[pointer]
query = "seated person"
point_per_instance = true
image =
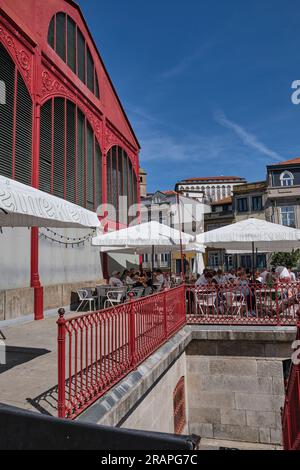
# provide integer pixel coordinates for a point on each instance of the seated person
(115, 280)
(159, 277)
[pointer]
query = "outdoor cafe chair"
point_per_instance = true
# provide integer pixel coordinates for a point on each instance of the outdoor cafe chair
(84, 298)
(234, 302)
(114, 297)
(205, 301)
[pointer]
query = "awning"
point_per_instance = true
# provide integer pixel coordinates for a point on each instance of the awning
(24, 206)
(143, 236)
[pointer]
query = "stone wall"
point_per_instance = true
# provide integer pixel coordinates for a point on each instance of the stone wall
(235, 398)
(156, 412)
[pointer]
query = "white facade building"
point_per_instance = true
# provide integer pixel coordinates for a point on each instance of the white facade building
(209, 189)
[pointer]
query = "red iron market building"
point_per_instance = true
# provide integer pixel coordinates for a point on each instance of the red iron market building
(63, 130)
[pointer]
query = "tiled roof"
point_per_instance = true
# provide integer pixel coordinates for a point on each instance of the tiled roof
(215, 178)
(169, 193)
(289, 162)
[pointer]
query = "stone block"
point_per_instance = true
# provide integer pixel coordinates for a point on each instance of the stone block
(241, 349)
(236, 433)
(278, 350)
(276, 436)
(217, 399)
(204, 415)
(202, 430)
(198, 364)
(269, 368)
(53, 296)
(278, 386)
(232, 383)
(265, 436)
(232, 366)
(257, 402)
(19, 302)
(234, 417)
(261, 419)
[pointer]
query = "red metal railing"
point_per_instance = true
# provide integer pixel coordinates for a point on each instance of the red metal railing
(291, 410)
(96, 350)
(248, 304)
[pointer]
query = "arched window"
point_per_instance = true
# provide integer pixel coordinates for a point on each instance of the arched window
(121, 181)
(286, 178)
(70, 155)
(179, 407)
(15, 123)
(67, 40)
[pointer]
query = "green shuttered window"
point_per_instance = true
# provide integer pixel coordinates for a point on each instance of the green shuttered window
(70, 155)
(15, 123)
(69, 43)
(121, 181)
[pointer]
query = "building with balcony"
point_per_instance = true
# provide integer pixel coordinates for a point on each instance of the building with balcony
(210, 188)
(283, 194)
(63, 130)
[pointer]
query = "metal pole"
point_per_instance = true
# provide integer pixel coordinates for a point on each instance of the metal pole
(181, 248)
(253, 261)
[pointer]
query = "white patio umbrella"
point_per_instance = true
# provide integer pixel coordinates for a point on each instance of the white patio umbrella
(263, 235)
(252, 234)
(24, 206)
(150, 236)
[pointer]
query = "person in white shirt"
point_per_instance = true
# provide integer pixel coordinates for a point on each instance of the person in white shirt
(115, 280)
(264, 276)
(203, 280)
(219, 277)
(292, 275)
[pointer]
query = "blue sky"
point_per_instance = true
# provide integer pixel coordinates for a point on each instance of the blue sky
(206, 85)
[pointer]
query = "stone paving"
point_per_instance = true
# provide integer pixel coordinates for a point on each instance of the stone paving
(30, 377)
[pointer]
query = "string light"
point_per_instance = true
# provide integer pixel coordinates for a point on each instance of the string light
(67, 241)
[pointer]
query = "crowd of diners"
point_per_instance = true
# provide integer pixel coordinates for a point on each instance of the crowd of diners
(133, 278)
(242, 276)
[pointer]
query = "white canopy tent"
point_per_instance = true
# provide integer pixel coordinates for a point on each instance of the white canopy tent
(143, 236)
(24, 206)
(252, 235)
(148, 237)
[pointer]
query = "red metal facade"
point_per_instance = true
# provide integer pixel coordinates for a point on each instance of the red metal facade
(24, 29)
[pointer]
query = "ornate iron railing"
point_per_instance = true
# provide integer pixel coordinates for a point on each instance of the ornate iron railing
(291, 410)
(96, 350)
(248, 304)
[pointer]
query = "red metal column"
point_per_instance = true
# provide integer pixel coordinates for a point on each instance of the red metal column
(34, 277)
(61, 338)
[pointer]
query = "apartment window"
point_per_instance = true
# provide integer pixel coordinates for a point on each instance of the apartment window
(286, 178)
(160, 217)
(257, 203)
(288, 216)
(242, 204)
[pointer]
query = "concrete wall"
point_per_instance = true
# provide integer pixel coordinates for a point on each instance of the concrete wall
(156, 410)
(15, 258)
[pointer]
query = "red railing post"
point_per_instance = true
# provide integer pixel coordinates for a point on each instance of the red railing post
(132, 333)
(61, 340)
(165, 322)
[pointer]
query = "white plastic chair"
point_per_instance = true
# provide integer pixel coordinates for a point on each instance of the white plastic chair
(234, 302)
(205, 301)
(114, 297)
(84, 298)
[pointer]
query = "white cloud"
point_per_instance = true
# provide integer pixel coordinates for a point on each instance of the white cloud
(248, 139)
